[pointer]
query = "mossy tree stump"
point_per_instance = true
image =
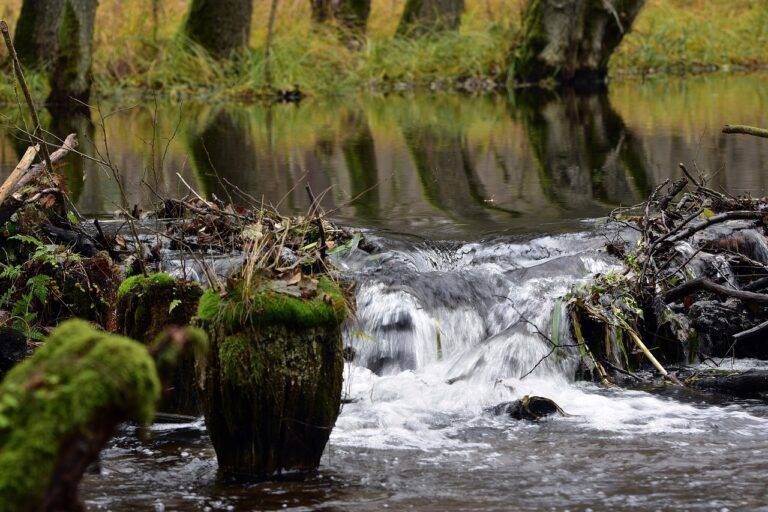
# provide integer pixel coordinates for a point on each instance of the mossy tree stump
(272, 385)
(59, 407)
(146, 306)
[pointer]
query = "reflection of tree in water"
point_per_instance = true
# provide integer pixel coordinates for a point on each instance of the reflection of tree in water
(360, 158)
(448, 178)
(223, 152)
(583, 149)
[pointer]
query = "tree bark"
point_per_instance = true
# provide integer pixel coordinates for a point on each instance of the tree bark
(571, 41)
(422, 17)
(220, 26)
(351, 17)
(36, 35)
(71, 77)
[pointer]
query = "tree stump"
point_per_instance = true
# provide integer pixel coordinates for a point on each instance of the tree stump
(271, 390)
(146, 306)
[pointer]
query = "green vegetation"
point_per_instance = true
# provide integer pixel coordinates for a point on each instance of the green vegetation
(146, 282)
(668, 36)
(61, 396)
(268, 307)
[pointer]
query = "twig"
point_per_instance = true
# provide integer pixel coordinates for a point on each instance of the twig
(758, 329)
(318, 222)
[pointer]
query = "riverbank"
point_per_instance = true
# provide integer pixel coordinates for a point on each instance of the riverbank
(137, 53)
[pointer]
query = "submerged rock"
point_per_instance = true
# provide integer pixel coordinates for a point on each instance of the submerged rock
(530, 408)
(146, 306)
(59, 407)
(271, 390)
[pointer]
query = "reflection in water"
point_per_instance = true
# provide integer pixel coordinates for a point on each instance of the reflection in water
(441, 166)
(583, 150)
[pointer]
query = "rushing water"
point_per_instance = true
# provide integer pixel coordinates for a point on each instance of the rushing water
(481, 209)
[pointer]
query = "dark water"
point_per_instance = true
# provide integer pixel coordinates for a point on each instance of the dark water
(498, 191)
(441, 166)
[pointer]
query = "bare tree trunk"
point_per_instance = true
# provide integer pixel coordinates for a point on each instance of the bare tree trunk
(71, 77)
(36, 35)
(571, 41)
(422, 17)
(220, 26)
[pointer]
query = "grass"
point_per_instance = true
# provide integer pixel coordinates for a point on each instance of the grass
(133, 54)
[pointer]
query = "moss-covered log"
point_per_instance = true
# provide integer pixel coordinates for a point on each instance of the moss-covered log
(272, 386)
(222, 27)
(146, 306)
(422, 17)
(36, 34)
(571, 41)
(59, 408)
(71, 77)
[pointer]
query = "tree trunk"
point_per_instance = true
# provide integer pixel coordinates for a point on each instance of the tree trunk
(352, 16)
(321, 10)
(571, 41)
(71, 77)
(422, 17)
(220, 26)
(36, 37)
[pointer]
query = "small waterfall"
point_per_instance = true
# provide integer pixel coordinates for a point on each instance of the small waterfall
(468, 311)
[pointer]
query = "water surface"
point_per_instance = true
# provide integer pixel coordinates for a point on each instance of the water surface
(481, 206)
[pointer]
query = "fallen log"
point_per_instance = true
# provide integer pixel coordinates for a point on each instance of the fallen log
(746, 384)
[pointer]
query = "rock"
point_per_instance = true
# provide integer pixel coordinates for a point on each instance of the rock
(271, 390)
(716, 322)
(530, 408)
(146, 306)
(60, 407)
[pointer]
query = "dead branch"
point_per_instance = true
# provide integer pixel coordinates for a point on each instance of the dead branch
(715, 219)
(745, 130)
(702, 283)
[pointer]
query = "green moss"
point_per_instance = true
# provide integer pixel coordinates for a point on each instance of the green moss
(268, 307)
(208, 307)
(76, 378)
(146, 282)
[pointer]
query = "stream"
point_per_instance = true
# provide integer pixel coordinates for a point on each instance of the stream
(484, 211)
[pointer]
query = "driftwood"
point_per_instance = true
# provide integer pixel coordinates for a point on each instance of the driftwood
(24, 173)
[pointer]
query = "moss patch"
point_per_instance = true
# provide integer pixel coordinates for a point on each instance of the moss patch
(267, 307)
(146, 282)
(76, 378)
